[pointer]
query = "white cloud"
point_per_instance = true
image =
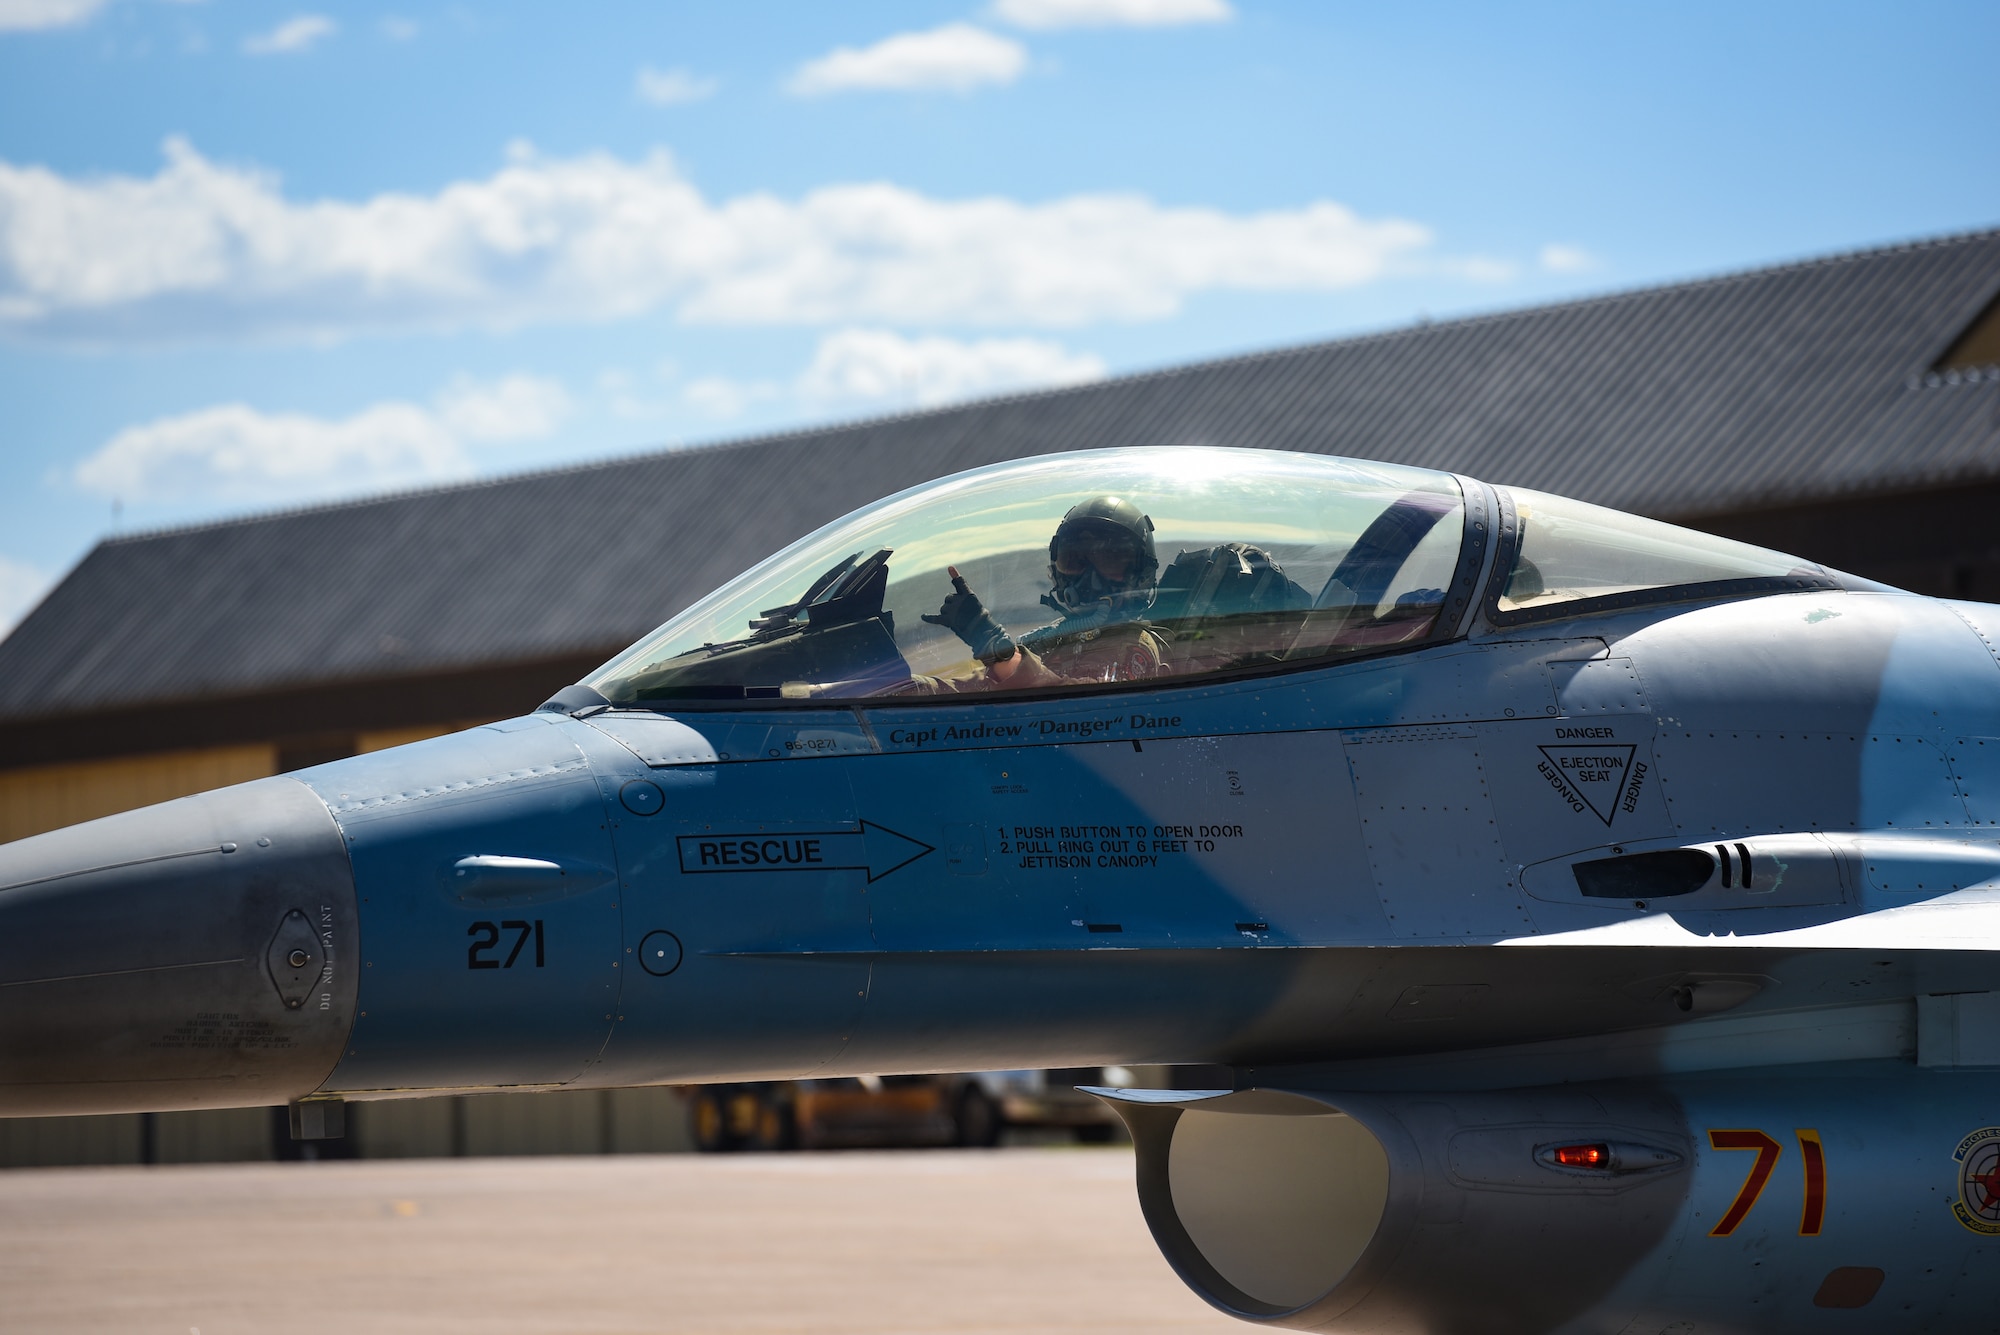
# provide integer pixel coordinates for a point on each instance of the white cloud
(955, 58)
(295, 34)
(399, 29)
(515, 407)
(1477, 269)
(1567, 259)
(21, 587)
(877, 369)
(672, 88)
(878, 365)
(235, 452)
(205, 250)
(27, 15)
(1110, 13)
(722, 397)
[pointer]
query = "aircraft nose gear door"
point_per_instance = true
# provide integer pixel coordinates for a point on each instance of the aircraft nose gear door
(1433, 844)
(746, 903)
(1588, 776)
(1450, 812)
(489, 909)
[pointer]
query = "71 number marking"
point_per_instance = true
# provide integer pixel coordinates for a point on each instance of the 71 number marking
(1812, 1153)
(486, 936)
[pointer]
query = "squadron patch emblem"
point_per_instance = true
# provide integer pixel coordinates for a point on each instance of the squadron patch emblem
(1978, 1159)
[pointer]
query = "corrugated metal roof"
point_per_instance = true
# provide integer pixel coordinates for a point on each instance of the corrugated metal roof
(1780, 385)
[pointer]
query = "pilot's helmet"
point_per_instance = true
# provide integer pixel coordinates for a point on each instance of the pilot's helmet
(1102, 549)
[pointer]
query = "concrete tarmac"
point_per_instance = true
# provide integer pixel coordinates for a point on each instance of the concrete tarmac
(987, 1241)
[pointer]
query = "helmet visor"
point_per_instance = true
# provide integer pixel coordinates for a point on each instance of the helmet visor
(1095, 544)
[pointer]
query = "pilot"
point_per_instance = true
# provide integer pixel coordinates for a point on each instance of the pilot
(1102, 573)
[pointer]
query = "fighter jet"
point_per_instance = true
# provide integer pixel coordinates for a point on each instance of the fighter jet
(1593, 921)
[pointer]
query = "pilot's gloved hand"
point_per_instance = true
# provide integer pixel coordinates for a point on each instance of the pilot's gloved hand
(966, 617)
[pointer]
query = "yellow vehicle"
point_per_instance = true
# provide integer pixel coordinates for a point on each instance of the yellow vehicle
(895, 1110)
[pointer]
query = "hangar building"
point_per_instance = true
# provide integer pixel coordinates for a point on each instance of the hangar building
(1844, 409)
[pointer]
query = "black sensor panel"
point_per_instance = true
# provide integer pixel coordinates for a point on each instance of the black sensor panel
(1675, 871)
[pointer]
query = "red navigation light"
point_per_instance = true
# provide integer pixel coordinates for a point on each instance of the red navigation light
(1583, 1156)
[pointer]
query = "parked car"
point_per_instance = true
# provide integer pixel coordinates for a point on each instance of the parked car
(898, 1110)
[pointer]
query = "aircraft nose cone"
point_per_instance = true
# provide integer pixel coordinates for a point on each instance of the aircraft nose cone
(194, 954)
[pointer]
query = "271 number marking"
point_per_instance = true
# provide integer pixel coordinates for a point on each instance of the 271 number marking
(486, 936)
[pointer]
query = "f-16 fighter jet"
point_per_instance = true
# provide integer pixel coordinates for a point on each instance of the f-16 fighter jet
(1596, 920)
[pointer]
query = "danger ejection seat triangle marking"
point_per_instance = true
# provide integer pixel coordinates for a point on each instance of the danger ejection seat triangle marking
(1591, 775)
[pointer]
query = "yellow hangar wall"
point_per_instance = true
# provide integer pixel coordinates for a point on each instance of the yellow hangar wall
(47, 797)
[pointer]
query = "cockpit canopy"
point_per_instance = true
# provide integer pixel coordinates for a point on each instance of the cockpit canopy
(1240, 561)
(1571, 557)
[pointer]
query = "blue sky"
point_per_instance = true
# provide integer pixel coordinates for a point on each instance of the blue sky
(257, 255)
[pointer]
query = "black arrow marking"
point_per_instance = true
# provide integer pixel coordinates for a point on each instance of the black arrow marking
(875, 849)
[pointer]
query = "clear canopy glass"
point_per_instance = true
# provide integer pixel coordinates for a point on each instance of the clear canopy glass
(1572, 552)
(1173, 563)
